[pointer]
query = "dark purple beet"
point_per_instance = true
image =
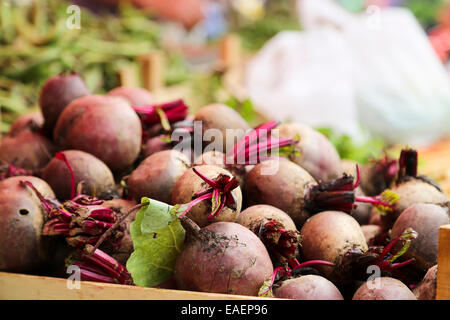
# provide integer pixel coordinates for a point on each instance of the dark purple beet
(56, 93)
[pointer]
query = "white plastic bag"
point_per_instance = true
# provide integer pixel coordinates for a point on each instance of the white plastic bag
(376, 69)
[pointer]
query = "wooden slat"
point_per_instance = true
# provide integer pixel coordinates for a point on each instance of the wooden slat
(443, 273)
(152, 66)
(27, 287)
(230, 51)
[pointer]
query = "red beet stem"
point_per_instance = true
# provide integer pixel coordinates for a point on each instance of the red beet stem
(209, 181)
(174, 111)
(402, 264)
(253, 137)
(315, 263)
(408, 163)
(45, 203)
(62, 156)
(373, 200)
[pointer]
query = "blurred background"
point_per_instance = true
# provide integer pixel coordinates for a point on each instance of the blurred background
(370, 74)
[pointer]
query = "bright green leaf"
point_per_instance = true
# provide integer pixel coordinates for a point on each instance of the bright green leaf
(155, 252)
(156, 216)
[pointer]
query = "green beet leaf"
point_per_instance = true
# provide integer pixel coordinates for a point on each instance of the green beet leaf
(158, 238)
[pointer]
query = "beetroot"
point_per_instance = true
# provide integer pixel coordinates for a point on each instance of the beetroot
(106, 127)
(370, 231)
(154, 145)
(122, 252)
(328, 236)
(276, 230)
(31, 121)
(316, 153)
(307, 287)
(27, 148)
(412, 188)
(96, 178)
(282, 184)
(156, 176)
(383, 288)
(300, 195)
(192, 189)
(56, 94)
(134, 95)
(426, 289)
(378, 175)
(223, 257)
(226, 122)
(425, 219)
(258, 145)
(21, 218)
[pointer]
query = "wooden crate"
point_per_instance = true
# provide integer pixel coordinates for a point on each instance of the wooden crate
(14, 286)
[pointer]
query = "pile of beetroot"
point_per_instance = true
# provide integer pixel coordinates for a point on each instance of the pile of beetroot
(276, 213)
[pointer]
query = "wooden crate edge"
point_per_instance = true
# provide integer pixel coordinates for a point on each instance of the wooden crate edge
(15, 286)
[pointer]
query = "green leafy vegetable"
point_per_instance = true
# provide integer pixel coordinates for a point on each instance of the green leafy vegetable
(349, 149)
(158, 238)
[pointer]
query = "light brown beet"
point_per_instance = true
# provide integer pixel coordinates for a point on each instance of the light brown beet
(27, 149)
(308, 287)
(224, 257)
(411, 192)
(190, 183)
(426, 289)
(106, 127)
(156, 176)
(21, 220)
(253, 216)
(282, 184)
(383, 288)
(370, 231)
(224, 119)
(256, 218)
(97, 178)
(56, 94)
(216, 158)
(328, 236)
(425, 219)
(134, 95)
(317, 155)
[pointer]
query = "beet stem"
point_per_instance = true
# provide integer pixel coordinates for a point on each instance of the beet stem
(62, 156)
(115, 225)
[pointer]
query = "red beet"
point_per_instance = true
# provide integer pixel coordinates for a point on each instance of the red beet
(26, 148)
(21, 218)
(276, 230)
(155, 144)
(134, 95)
(31, 121)
(156, 176)
(282, 184)
(317, 155)
(223, 257)
(106, 127)
(97, 179)
(426, 289)
(308, 287)
(425, 219)
(328, 236)
(384, 288)
(56, 94)
(227, 123)
(121, 206)
(190, 184)
(412, 188)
